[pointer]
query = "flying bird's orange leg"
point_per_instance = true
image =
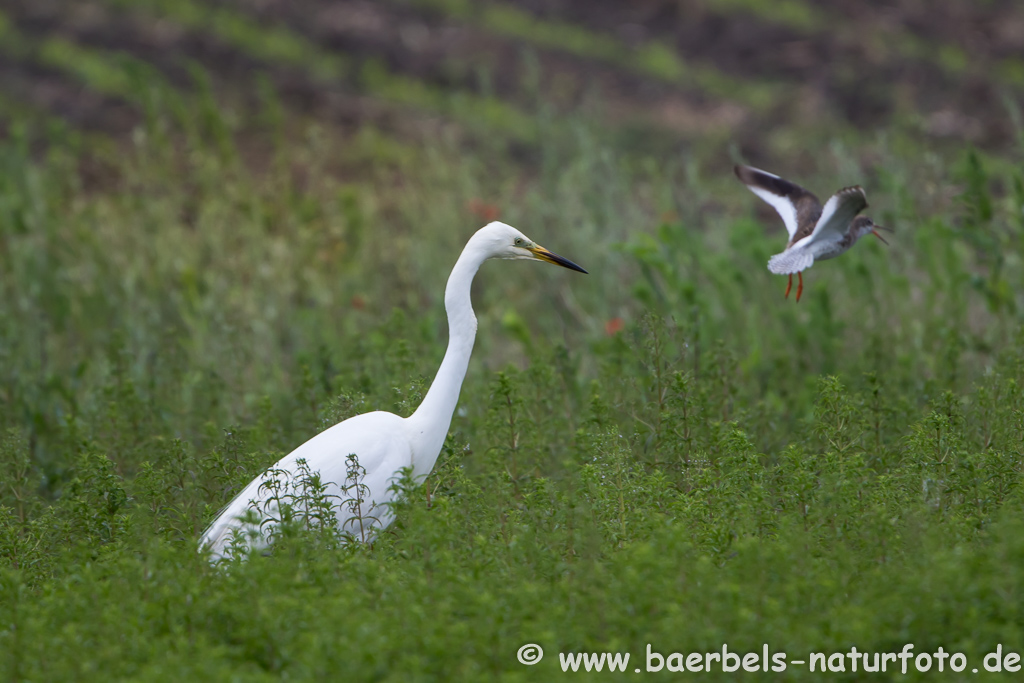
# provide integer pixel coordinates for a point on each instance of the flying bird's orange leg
(799, 287)
(790, 285)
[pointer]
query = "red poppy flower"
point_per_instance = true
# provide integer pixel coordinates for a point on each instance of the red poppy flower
(614, 326)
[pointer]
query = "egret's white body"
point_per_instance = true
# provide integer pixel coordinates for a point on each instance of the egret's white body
(384, 443)
(816, 232)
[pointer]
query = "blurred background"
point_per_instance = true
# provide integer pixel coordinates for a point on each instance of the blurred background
(177, 171)
(229, 192)
(659, 74)
(227, 224)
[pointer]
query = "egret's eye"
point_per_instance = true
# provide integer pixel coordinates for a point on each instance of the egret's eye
(518, 242)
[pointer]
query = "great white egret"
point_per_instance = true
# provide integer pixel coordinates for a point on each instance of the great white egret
(382, 442)
(815, 233)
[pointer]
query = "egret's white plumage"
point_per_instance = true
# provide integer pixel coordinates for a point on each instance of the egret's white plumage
(384, 443)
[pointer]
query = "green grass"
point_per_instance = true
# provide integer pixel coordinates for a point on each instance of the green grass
(729, 467)
(116, 73)
(279, 45)
(273, 44)
(893, 39)
(796, 14)
(653, 59)
(657, 60)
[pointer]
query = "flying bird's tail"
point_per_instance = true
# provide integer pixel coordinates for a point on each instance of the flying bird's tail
(791, 261)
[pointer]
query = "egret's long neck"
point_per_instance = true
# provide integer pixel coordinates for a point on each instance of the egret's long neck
(431, 420)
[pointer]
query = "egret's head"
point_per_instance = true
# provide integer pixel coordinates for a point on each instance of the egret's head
(862, 225)
(505, 242)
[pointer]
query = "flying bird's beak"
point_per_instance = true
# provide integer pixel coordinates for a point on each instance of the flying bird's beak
(875, 233)
(543, 254)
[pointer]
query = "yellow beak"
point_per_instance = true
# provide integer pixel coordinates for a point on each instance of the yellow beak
(543, 254)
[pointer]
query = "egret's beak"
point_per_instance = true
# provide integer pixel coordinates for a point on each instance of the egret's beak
(543, 254)
(875, 233)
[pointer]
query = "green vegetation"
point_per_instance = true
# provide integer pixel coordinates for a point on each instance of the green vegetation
(652, 59)
(275, 45)
(895, 41)
(729, 467)
(796, 14)
(664, 452)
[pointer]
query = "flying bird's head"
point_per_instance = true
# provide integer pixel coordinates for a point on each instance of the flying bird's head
(862, 225)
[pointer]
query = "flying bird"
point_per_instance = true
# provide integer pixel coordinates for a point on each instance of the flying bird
(383, 443)
(816, 233)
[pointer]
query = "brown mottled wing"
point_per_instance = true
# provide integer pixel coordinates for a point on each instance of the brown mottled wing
(799, 208)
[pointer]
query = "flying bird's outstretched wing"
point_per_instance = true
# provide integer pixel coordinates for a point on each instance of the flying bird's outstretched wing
(839, 211)
(798, 207)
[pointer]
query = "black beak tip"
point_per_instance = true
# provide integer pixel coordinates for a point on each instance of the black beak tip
(572, 266)
(565, 263)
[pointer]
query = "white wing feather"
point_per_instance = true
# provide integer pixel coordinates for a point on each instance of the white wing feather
(782, 205)
(834, 223)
